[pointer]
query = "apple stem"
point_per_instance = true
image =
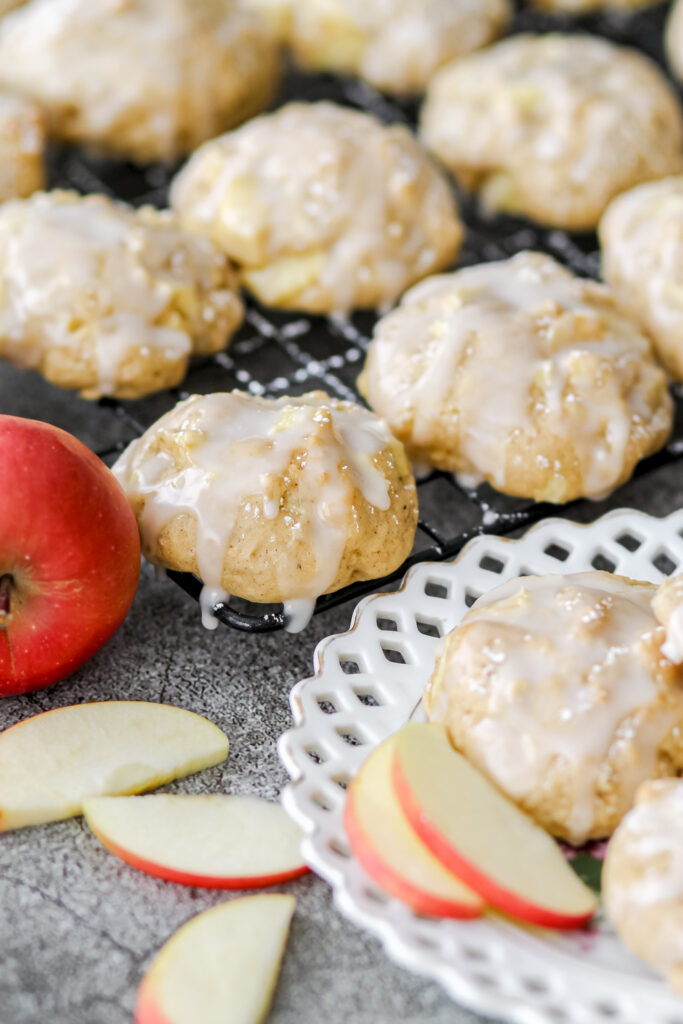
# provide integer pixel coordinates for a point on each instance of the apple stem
(6, 583)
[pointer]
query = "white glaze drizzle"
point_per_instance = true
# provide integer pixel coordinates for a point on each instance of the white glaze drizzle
(573, 116)
(345, 204)
(225, 452)
(561, 662)
(509, 348)
(92, 274)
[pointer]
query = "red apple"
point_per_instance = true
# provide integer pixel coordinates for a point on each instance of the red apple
(69, 554)
(481, 836)
(216, 841)
(390, 851)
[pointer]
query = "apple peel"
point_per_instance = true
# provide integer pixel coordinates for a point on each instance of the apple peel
(387, 848)
(482, 837)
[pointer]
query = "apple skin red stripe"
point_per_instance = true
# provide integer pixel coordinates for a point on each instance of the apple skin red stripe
(499, 897)
(421, 902)
(169, 874)
(146, 1009)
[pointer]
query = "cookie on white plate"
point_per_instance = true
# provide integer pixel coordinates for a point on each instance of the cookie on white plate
(323, 208)
(555, 687)
(552, 127)
(396, 45)
(519, 374)
(143, 79)
(642, 879)
(106, 299)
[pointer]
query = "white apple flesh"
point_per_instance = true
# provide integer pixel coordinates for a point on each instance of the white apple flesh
(216, 841)
(51, 762)
(390, 851)
(221, 967)
(481, 836)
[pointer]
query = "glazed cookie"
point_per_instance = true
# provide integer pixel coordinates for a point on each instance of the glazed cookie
(642, 879)
(641, 235)
(552, 127)
(555, 687)
(107, 299)
(396, 45)
(271, 500)
(144, 79)
(519, 374)
(9, 5)
(362, 217)
(22, 147)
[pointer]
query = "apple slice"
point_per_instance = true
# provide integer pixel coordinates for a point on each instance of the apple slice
(221, 842)
(50, 763)
(481, 836)
(219, 968)
(390, 851)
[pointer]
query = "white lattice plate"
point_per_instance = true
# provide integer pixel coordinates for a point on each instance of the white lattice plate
(367, 684)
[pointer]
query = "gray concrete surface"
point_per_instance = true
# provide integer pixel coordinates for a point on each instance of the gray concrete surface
(77, 926)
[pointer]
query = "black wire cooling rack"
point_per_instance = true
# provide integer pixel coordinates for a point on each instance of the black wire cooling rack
(276, 354)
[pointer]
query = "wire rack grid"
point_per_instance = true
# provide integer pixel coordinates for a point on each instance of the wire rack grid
(276, 354)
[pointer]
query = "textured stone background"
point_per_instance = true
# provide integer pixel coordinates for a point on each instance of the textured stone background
(77, 926)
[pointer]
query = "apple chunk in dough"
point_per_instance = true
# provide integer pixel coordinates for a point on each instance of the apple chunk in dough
(390, 851)
(51, 762)
(217, 841)
(481, 836)
(219, 968)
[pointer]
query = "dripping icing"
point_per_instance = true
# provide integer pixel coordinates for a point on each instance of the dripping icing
(214, 454)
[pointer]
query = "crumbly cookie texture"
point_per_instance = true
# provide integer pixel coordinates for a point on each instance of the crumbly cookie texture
(107, 299)
(396, 45)
(586, 6)
(641, 236)
(553, 127)
(144, 79)
(356, 220)
(642, 879)
(271, 500)
(555, 687)
(22, 147)
(519, 374)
